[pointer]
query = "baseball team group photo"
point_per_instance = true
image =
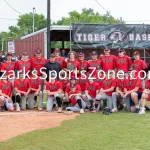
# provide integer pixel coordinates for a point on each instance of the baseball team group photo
(74, 75)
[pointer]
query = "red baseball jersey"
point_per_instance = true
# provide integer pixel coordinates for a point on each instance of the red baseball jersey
(123, 63)
(61, 61)
(68, 88)
(139, 65)
(73, 99)
(120, 84)
(22, 85)
(72, 65)
(147, 84)
(108, 62)
(35, 84)
(82, 83)
(99, 80)
(20, 65)
(38, 64)
(92, 88)
(131, 84)
(53, 87)
(64, 83)
(8, 67)
(94, 64)
(84, 65)
(6, 88)
(107, 84)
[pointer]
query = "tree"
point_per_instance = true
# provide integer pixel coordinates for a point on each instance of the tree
(87, 16)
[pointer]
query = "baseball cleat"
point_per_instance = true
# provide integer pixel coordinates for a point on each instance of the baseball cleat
(94, 110)
(68, 112)
(114, 110)
(59, 110)
(40, 109)
(17, 107)
(81, 111)
(142, 112)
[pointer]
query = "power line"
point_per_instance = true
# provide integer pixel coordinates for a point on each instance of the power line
(101, 6)
(12, 7)
(8, 19)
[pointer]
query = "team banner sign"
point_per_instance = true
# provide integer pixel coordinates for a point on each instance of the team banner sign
(87, 36)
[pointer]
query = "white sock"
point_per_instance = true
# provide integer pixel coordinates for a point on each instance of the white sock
(137, 106)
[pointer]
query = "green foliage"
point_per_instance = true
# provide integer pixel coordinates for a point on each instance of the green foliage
(87, 16)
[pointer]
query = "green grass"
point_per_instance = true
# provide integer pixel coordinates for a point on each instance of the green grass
(120, 131)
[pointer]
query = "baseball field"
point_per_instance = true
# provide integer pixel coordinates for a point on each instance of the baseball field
(119, 131)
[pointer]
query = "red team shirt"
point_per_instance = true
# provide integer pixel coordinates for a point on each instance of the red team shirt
(120, 84)
(61, 61)
(92, 88)
(108, 62)
(82, 83)
(95, 64)
(53, 87)
(139, 65)
(8, 67)
(107, 84)
(6, 88)
(123, 63)
(147, 86)
(131, 84)
(23, 85)
(35, 84)
(20, 65)
(38, 64)
(84, 65)
(64, 83)
(68, 88)
(72, 99)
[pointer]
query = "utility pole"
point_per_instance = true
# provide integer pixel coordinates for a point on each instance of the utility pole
(48, 28)
(33, 19)
(2, 44)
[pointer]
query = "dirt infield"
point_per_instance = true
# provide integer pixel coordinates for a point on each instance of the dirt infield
(14, 124)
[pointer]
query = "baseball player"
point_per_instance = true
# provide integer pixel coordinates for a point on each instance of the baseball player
(94, 63)
(123, 62)
(6, 93)
(59, 59)
(76, 100)
(54, 92)
(24, 63)
(108, 61)
(22, 90)
(133, 92)
(145, 96)
(106, 91)
(35, 91)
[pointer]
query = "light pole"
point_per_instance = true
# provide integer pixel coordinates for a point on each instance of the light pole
(48, 28)
(33, 18)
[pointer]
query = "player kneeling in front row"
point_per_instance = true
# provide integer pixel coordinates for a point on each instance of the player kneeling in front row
(22, 89)
(54, 92)
(145, 96)
(75, 98)
(106, 91)
(35, 83)
(6, 93)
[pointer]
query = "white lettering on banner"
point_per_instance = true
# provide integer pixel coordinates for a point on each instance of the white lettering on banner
(148, 37)
(84, 37)
(103, 37)
(90, 37)
(144, 37)
(79, 35)
(131, 37)
(138, 37)
(96, 37)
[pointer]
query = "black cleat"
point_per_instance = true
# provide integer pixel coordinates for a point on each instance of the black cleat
(3, 109)
(137, 110)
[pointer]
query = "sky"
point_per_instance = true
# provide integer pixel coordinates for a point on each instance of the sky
(135, 11)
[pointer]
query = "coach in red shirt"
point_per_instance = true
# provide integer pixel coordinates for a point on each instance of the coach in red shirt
(123, 62)
(22, 89)
(38, 61)
(24, 63)
(108, 61)
(133, 91)
(106, 91)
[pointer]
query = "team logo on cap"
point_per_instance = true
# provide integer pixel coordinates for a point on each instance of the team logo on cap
(117, 37)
